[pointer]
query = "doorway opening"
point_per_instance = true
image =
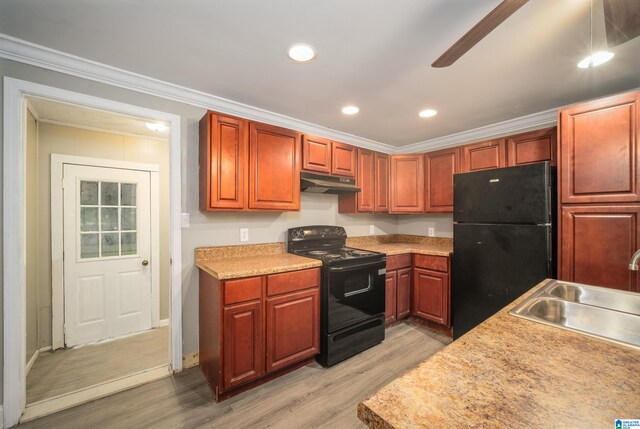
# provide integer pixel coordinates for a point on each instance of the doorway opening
(94, 287)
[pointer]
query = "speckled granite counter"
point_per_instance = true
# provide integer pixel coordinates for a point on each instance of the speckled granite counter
(398, 244)
(510, 372)
(234, 262)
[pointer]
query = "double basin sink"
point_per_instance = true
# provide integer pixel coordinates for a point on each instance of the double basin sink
(609, 314)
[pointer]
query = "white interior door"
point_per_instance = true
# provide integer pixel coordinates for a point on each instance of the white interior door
(107, 249)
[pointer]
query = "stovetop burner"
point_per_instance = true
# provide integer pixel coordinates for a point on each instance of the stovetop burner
(336, 254)
(317, 252)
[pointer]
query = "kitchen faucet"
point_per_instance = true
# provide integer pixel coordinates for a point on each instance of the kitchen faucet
(633, 264)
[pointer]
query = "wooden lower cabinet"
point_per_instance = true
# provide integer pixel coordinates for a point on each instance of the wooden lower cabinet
(256, 328)
(390, 297)
(403, 293)
(293, 328)
(597, 242)
(431, 295)
(242, 327)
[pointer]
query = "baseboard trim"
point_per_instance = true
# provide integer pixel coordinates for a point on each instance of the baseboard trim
(191, 360)
(163, 322)
(1, 417)
(78, 397)
(31, 362)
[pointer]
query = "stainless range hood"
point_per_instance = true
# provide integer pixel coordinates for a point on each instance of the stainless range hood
(321, 184)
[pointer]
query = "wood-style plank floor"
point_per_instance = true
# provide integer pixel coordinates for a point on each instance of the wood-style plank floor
(65, 371)
(310, 397)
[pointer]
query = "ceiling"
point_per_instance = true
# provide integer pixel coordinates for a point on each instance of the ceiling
(372, 53)
(94, 119)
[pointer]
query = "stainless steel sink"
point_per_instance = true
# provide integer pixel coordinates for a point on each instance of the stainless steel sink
(604, 313)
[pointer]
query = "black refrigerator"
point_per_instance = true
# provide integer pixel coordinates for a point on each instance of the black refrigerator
(503, 239)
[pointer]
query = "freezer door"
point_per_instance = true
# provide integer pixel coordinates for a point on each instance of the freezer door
(520, 194)
(492, 265)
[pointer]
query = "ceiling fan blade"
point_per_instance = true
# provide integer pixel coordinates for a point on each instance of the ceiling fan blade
(621, 20)
(486, 25)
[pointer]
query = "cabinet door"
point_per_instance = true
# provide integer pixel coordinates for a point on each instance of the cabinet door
(343, 159)
(316, 154)
(431, 295)
(242, 343)
(534, 146)
(407, 184)
(390, 297)
(403, 304)
(599, 150)
(274, 168)
(223, 162)
(366, 181)
(293, 328)
(597, 244)
(440, 168)
(484, 155)
(381, 200)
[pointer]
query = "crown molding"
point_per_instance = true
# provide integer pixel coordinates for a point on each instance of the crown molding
(22, 51)
(547, 118)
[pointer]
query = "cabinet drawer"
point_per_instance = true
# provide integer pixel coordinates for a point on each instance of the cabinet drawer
(248, 289)
(437, 263)
(398, 261)
(292, 281)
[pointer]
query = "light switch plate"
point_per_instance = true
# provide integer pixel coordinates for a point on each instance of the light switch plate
(431, 232)
(185, 220)
(372, 229)
(244, 234)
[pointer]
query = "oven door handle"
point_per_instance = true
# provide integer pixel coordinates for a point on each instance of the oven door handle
(358, 267)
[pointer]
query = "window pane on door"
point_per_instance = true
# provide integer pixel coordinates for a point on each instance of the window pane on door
(88, 193)
(89, 219)
(128, 194)
(128, 219)
(109, 191)
(110, 244)
(129, 243)
(109, 219)
(89, 247)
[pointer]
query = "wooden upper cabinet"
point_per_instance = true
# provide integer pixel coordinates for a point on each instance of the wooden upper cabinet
(440, 168)
(223, 162)
(597, 242)
(407, 184)
(316, 154)
(343, 159)
(366, 181)
(599, 150)
(274, 168)
(534, 146)
(484, 155)
(381, 179)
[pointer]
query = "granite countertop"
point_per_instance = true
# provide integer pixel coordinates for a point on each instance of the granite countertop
(255, 265)
(511, 372)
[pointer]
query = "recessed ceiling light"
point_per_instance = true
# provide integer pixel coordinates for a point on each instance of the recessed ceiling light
(428, 113)
(157, 127)
(595, 59)
(301, 52)
(350, 110)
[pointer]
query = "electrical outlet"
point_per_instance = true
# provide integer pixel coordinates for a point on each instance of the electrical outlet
(244, 234)
(372, 229)
(431, 232)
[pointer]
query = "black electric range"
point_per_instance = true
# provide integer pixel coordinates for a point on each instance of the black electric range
(352, 293)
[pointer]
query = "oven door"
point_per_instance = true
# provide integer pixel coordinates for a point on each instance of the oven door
(356, 293)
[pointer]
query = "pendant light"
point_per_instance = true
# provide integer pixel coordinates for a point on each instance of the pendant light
(594, 58)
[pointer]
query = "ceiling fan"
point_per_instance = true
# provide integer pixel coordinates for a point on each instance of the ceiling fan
(622, 23)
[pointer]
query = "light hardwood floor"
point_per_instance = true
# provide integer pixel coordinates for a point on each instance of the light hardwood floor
(310, 397)
(65, 371)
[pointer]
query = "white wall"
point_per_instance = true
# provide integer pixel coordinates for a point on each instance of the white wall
(420, 224)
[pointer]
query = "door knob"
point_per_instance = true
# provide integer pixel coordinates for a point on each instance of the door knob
(145, 262)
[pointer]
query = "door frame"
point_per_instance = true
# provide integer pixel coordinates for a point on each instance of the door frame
(14, 232)
(57, 236)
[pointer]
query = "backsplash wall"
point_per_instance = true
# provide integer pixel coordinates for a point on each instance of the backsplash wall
(419, 225)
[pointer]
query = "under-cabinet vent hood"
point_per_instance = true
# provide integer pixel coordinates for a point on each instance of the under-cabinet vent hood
(319, 183)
